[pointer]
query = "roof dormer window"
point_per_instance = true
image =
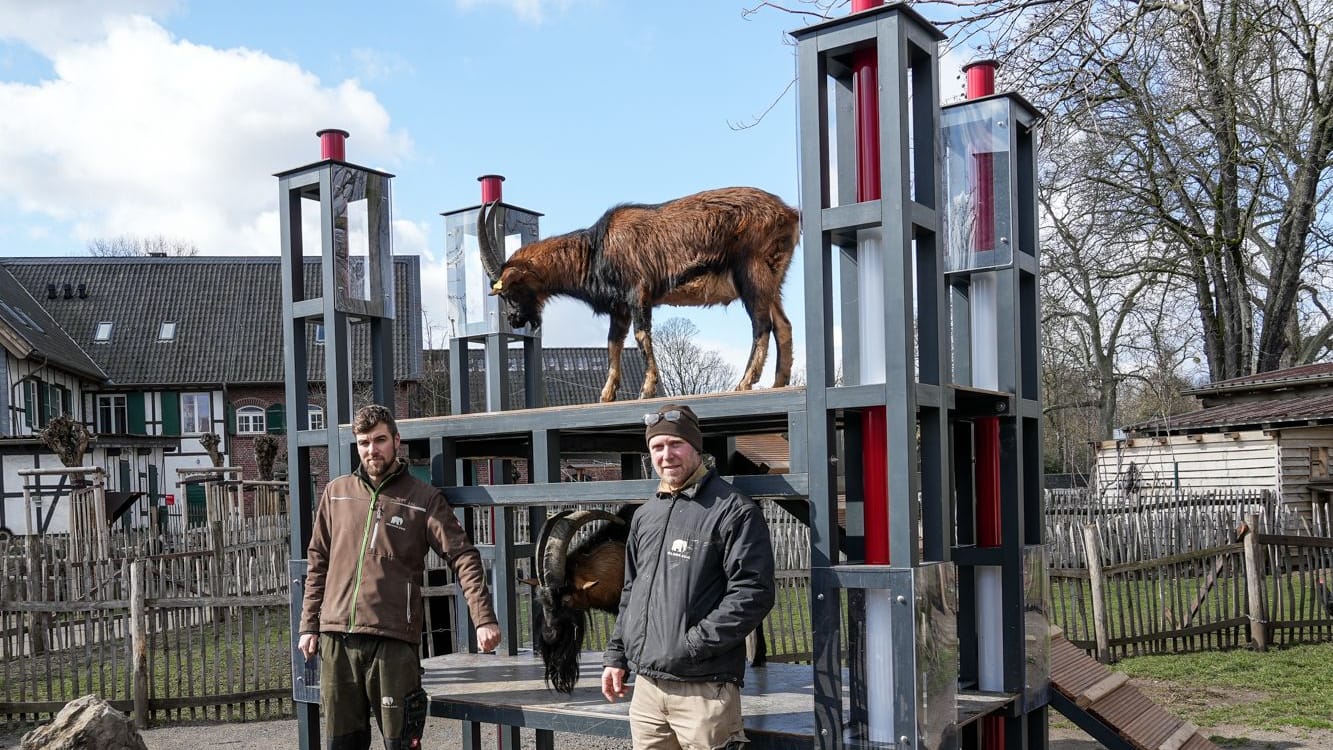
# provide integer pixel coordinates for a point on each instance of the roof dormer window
(167, 332)
(103, 331)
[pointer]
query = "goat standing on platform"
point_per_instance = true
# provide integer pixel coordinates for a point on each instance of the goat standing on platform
(710, 248)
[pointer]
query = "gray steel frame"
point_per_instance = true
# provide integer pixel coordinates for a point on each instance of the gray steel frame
(317, 181)
(923, 407)
(915, 394)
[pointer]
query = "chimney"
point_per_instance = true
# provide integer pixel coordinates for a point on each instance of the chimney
(83, 291)
(50, 291)
(333, 144)
(68, 290)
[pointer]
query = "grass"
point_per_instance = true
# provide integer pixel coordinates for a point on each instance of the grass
(208, 662)
(1278, 688)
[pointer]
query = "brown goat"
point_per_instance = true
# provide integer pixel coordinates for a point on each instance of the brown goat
(710, 248)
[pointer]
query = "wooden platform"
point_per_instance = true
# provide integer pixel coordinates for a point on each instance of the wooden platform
(1085, 690)
(777, 699)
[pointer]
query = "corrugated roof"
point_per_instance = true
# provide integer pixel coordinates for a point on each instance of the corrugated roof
(1303, 374)
(30, 322)
(227, 311)
(1291, 409)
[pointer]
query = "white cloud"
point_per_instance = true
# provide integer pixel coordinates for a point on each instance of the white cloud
(52, 25)
(140, 133)
(374, 65)
(530, 11)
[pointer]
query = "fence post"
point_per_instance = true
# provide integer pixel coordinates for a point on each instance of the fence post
(139, 644)
(1254, 578)
(1092, 549)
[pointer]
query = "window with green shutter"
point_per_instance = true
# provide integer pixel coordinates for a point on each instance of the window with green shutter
(276, 418)
(171, 414)
(51, 403)
(136, 413)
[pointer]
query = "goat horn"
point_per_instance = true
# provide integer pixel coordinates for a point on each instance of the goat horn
(553, 542)
(490, 255)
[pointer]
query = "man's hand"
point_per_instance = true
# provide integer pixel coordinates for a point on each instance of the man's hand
(488, 637)
(613, 683)
(309, 645)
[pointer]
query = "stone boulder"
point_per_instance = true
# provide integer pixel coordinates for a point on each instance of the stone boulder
(87, 723)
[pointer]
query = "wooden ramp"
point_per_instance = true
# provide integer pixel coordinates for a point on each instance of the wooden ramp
(1103, 704)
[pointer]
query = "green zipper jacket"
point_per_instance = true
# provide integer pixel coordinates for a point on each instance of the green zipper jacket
(368, 552)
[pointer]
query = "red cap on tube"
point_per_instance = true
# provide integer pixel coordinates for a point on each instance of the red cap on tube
(490, 187)
(333, 144)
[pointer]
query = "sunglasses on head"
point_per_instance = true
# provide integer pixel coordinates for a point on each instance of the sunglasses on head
(670, 415)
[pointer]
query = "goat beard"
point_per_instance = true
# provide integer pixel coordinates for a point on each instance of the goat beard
(560, 643)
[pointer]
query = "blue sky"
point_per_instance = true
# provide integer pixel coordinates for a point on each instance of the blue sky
(170, 117)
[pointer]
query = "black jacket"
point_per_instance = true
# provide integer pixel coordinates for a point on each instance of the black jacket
(698, 579)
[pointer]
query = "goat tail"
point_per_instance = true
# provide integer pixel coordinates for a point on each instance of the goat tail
(560, 643)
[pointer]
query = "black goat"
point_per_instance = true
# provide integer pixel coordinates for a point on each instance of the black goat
(573, 579)
(710, 248)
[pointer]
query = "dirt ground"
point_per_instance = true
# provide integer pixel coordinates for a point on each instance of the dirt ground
(270, 735)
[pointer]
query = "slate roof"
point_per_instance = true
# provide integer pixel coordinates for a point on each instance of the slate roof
(572, 375)
(29, 322)
(1297, 396)
(227, 310)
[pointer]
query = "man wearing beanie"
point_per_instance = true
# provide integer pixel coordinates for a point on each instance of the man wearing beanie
(698, 580)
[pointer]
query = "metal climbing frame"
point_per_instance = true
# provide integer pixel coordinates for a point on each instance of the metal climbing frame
(356, 283)
(928, 425)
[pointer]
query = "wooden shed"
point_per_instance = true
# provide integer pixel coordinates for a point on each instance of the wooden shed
(1271, 431)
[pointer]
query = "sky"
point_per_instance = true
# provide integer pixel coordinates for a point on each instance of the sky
(170, 117)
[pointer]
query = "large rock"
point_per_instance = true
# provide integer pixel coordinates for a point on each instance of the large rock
(87, 723)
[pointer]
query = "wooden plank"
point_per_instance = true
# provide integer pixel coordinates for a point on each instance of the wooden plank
(1179, 737)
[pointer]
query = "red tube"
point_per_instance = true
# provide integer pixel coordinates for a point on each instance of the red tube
(980, 78)
(981, 82)
(874, 421)
(875, 456)
(490, 187)
(333, 144)
(987, 440)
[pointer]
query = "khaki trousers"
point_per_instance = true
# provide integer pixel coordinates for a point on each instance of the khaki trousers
(671, 715)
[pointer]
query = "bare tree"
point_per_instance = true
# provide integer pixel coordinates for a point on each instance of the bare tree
(687, 368)
(1216, 121)
(131, 245)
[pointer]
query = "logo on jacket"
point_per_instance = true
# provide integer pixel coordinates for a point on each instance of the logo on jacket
(396, 522)
(681, 548)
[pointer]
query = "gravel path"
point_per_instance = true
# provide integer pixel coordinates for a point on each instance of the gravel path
(441, 733)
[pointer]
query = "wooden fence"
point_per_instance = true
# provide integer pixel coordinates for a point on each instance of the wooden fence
(172, 627)
(183, 622)
(1257, 590)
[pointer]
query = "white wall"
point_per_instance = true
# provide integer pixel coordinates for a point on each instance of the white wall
(16, 519)
(1231, 460)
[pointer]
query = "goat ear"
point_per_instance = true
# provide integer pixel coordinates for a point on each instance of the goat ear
(533, 582)
(587, 585)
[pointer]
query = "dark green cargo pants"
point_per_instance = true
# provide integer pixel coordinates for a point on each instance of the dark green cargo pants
(365, 675)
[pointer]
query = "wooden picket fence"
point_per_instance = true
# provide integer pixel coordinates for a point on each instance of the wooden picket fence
(179, 622)
(174, 627)
(1254, 589)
